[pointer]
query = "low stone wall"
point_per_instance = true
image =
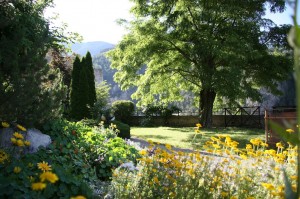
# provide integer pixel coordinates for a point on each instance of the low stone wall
(190, 121)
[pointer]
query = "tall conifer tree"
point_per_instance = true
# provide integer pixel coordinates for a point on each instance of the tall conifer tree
(75, 89)
(91, 79)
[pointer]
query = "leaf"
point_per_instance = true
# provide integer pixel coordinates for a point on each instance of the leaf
(289, 194)
(281, 131)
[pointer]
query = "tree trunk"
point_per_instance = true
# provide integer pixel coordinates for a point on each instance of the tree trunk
(207, 98)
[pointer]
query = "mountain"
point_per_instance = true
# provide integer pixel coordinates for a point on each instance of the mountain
(94, 47)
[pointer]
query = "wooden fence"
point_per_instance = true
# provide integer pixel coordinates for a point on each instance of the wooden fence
(286, 118)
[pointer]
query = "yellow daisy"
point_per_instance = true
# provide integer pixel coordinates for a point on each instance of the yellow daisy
(290, 131)
(5, 124)
(49, 176)
(38, 186)
(27, 143)
(44, 166)
(18, 135)
(21, 127)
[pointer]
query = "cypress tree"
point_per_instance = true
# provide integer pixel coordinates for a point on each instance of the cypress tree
(83, 93)
(75, 89)
(91, 79)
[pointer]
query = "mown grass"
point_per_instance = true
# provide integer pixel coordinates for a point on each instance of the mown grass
(183, 137)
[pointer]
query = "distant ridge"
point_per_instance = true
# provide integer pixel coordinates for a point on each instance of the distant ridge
(95, 47)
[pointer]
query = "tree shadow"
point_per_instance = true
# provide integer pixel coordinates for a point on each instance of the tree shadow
(153, 137)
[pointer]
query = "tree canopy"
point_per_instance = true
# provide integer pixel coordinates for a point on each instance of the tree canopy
(213, 48)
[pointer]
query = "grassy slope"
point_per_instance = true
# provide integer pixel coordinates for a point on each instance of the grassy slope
(183, 137)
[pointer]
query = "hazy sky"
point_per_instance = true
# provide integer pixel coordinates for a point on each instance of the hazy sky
(95, 20)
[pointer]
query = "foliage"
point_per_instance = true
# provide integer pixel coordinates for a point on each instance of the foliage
(161, 110)
(75, 86)
(25, 38)
(32, 176)
(200, 46)
(102, 98)
(113, 154)
(90, 79)
(226, 172)
(77, 156)
(123, 110)
(124, 129)
(83, 93)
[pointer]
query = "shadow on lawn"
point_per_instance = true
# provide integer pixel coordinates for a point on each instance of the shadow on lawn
(146, 137)
(184, 130)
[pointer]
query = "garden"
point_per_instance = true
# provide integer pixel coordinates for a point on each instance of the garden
(61, 136)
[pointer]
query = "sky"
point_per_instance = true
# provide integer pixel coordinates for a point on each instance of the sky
(95, 20)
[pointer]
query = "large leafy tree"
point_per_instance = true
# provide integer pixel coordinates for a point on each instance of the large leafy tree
(31, 91)
(213, 48)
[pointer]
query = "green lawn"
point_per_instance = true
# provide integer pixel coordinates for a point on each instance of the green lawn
(183, 137)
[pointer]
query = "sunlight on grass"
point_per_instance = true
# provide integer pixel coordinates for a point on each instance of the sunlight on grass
(183, 137)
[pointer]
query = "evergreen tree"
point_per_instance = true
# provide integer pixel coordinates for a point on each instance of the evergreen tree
(30, 91)
(75, 89)
(91, 79)
(83, 93)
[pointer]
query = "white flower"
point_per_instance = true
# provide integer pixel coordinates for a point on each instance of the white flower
(128, 165)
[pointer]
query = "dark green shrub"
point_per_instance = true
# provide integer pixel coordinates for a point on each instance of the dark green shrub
(123, 110)
(124, 129)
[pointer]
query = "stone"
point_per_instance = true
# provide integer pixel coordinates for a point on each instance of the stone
(36, 138)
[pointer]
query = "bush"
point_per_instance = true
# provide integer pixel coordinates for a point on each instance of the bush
(112, 155)
(124, 129)
(66, 160)
(123, 110)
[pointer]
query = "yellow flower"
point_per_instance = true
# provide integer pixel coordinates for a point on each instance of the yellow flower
(268, 186)
(168, 146)
(17, 169)
(155, 179)
(78, 197)
(49, 176)
(5, 124)
(38, 186)
(143, 152)
(279, 145)
(3, 156)
(21, 127)
(27, 143)
(44, 166)
(224, 194)
(199, 125)
(290, 131)
(18, 135)
(20, 143)
(13, 140)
